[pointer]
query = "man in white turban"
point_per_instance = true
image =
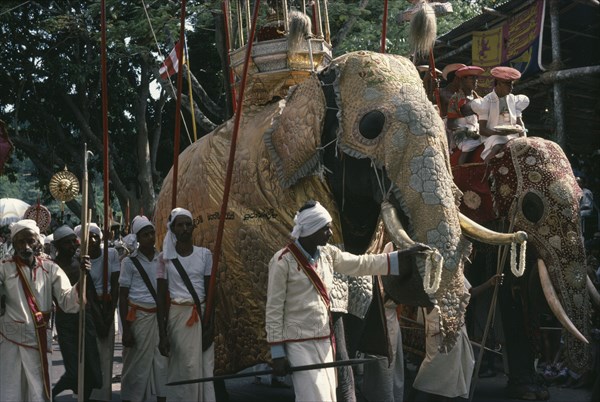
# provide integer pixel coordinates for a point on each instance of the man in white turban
(298, 315)
(29, 283)
(106, 285)
(144, 372)
(181, 337)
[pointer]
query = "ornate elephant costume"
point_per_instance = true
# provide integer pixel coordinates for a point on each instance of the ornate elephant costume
(360, 133)
(533, 182)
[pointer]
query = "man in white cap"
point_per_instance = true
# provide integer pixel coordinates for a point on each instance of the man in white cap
(298, 316)
(144, 368)
(184, 274)
(29, 283)
(500, 112)
(66, 243)
(106, 285)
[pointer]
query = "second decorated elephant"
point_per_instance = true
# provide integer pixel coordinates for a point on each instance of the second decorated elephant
(358, 135)
(532, 187)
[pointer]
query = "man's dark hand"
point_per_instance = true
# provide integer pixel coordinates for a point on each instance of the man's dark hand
(85, 264)
(164, 346)
(128, 339)
(281, 366)
(414, 249)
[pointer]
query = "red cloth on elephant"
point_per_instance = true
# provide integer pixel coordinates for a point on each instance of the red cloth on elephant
(472, 180)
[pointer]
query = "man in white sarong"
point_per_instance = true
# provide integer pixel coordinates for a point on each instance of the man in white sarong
(500, 110)
(298, 316)
(29, 284)
(144, 368)
(104, 306)
(446, 374)
(181, 333)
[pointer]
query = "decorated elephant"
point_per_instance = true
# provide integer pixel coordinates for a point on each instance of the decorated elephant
(362, 138)
(532, 188)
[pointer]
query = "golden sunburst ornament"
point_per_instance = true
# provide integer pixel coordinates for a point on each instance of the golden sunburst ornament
(64, 185)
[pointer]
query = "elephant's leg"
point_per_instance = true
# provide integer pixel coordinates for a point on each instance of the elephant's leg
(522, 374)
(345, 389)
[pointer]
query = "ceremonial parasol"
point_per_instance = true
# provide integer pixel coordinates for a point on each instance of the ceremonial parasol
(11, 210)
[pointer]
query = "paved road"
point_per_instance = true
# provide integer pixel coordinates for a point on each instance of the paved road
(244, 390)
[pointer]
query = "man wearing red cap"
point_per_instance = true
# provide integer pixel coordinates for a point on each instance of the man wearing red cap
(500, 112)
(461, 120)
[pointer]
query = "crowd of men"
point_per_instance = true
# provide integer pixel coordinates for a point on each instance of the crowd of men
(160, 300)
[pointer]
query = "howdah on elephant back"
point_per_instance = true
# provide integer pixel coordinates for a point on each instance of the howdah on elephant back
(360, 133)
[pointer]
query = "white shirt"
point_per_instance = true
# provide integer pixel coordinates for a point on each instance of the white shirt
(49, 281)
(295, 310)
(197, 265)
(114, 265)
(130, 277)
(488, 108)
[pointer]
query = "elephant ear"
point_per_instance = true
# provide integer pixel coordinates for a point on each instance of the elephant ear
(295, 135)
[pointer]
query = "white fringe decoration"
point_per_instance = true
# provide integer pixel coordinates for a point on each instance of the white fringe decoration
(513, 259)
(435, 261)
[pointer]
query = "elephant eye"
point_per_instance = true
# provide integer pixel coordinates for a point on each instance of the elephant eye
(533, 207)
(371, 124)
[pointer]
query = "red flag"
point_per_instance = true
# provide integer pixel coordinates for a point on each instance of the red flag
(171, 64)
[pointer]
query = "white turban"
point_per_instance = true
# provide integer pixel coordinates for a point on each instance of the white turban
(170, 241)
(130, 242)
(310, 220)
(23, 224)
(62, 232)
(48, 239)
(92, 228)
(138, 223)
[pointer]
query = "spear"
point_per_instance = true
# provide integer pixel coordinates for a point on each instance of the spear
(339, 363)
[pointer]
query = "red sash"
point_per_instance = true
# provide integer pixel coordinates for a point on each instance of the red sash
(315, 279)
(39, 322)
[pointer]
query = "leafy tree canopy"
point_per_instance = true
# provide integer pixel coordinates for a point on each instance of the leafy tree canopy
(50, 69)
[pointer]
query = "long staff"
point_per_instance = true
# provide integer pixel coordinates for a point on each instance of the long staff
(85, 219)
(236, 126)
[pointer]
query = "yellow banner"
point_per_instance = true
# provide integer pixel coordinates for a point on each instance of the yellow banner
(487, 47)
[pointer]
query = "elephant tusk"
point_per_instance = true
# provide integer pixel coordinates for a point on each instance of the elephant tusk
(594, 295)
(554, 303)
(478, 232)
(393, 226)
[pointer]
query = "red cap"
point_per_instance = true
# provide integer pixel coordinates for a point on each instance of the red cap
(450, 68)
(505, 73)
(469, 70)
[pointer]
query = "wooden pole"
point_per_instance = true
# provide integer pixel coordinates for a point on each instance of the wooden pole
(176, 135)
(82, 279)
(384, 25)
(236, 126)
(559, 110)
(105, 161)
(227, 15)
